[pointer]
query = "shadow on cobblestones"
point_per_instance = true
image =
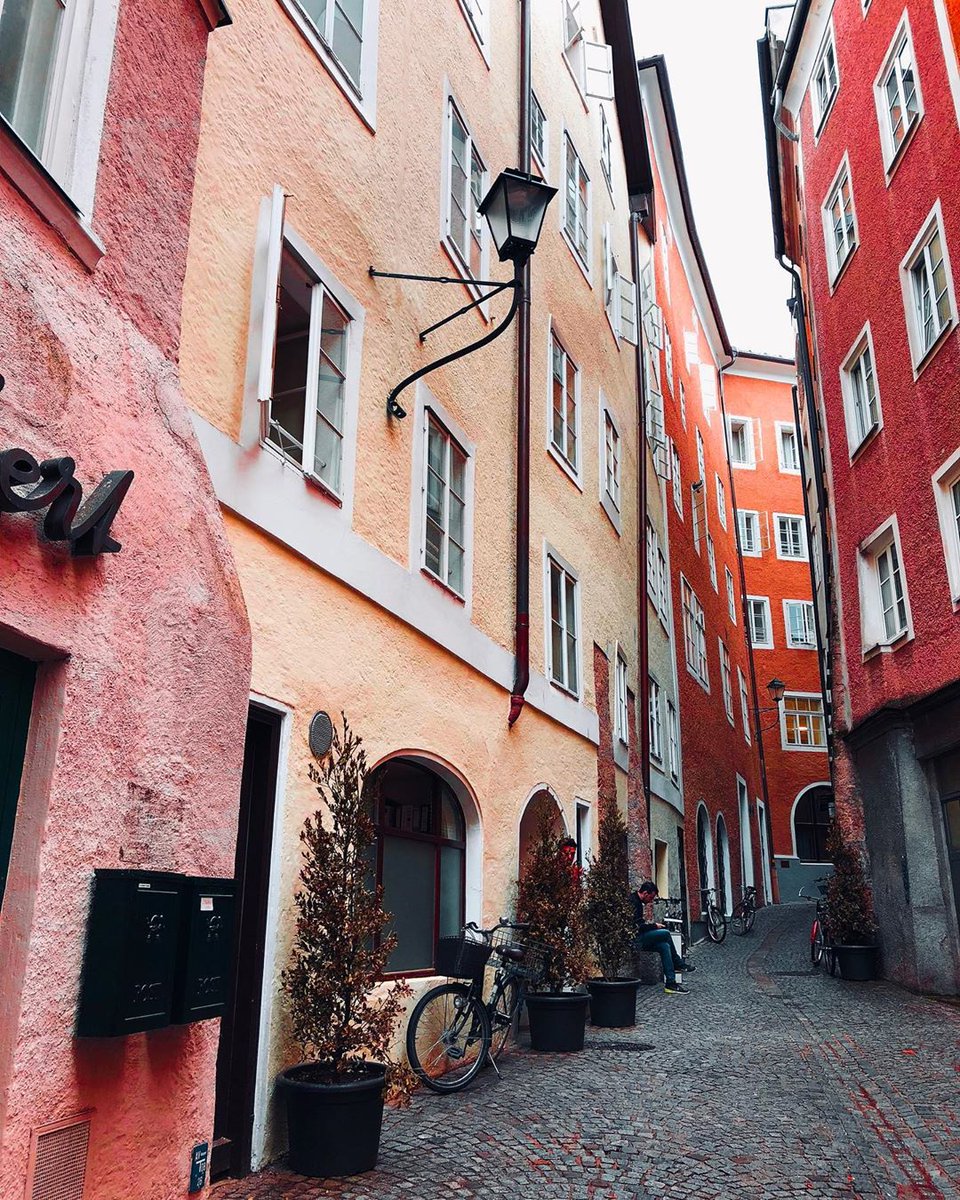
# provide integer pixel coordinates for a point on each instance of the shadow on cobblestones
(768, 1081)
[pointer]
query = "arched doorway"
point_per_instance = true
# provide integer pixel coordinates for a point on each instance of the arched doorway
(704, 852)
(811, 823)
(543, 800)
(725, 878)
(427, 846)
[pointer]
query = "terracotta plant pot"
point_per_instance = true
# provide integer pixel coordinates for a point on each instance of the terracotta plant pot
(334, 1128)
(613, 1002)
(557, 1021)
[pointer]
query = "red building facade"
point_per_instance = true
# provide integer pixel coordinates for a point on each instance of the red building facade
(724, 802)
(765, 456)
(867, 208)
(124, 646)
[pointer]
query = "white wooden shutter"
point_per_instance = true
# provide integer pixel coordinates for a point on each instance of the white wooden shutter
(269, 252)
(628, 310)
(598, 70)
(708, 386)
(653, 323)
(691, 348)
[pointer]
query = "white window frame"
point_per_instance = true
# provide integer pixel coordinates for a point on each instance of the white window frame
(273, 232)
(75, 106)
(663, 590)
(892, 154)
(823, 107)
(478, 26)
(783, 427)
(362, 93)
(673, 741)
(767, 642)
(726, 681)
(721, 501)
(542, 160)
(656, 719)
(873, 632)
(731, 595)
(676, 478)
(619, 293)
(573, 470)
(682, 394)
(610, 500)
(701, 460)
(454, 436)
(798, 517)
(744, 705)
(792, 643)
(793, 746)
(454, 253)
(694, 635)
(749, 517)
(584, 259)
(590, 63)
(668, 357)
(712, 562)
(606, 151)
(862, 344)
(921, 354)
(696, 529)
(750, 463)
(836, 263)
(944, 479)
(621, 711)
(553, 556)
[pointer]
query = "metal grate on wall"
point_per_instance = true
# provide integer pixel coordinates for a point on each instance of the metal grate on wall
(59, 1160)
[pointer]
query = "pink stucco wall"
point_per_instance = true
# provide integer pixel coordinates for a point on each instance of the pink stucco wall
(136, 735)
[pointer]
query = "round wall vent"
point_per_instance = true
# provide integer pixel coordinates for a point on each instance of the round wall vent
(321, 734)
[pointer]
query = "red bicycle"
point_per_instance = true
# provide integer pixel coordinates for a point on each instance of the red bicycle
(821, 944)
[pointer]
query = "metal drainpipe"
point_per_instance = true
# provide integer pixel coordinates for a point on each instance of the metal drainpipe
(745, 617)
(522, 626)
(642, 628)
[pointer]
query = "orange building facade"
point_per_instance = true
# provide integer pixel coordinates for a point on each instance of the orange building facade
(779, 613)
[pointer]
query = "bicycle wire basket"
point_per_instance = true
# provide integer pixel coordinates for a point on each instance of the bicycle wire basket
(535, 954)
(461, 957)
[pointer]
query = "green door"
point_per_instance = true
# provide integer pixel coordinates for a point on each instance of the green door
(16, 693)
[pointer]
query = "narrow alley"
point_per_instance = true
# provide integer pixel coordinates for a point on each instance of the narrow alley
(768, 1081)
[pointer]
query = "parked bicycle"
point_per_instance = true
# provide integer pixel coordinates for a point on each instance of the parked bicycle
(821, 944)
(745, 913)
(713, 915)
(453, 1031)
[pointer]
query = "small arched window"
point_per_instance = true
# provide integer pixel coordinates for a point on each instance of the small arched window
(811, 824)
(421, 847)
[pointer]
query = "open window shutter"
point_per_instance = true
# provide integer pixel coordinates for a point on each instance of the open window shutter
(628, 310)
(269, 251)
(691, 351)
(653, 323)
(598, 69)
(708, 386)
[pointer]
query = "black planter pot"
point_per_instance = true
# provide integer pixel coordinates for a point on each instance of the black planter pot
(857, 962)
(333, 1128)
(613, 1002)
(557, 1022)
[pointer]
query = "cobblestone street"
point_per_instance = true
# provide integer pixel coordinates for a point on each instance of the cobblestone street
(767, 1081)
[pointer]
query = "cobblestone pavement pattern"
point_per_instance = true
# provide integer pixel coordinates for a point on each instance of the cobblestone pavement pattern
(768, 1081)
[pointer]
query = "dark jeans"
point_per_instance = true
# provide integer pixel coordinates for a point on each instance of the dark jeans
(661, 941)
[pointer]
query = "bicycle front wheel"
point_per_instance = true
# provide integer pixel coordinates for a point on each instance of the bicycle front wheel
(738, 921)
(816, 944)
(502, 1011)
(716, 924)
(749, 916)
(448, 1037)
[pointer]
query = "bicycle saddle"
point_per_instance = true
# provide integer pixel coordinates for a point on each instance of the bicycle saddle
(512, 953)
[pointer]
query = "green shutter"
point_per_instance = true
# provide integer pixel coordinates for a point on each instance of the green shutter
(16, 693)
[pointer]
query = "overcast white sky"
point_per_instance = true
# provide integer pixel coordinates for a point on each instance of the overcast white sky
(710, 48)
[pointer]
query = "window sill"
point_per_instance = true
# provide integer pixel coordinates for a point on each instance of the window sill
(836, 276)
(821, 121)
(698, 678)
(584, 268)
(312, 481)
(539, 163)
(743, 466)
(366, 111)
(612, 512)
(803, 749)
(937, 346)
(566, 691)
(444, 587)
(324, 488)
(868, 440)
(571, 472)
(47, 198)
(890, 168)
(890, 647)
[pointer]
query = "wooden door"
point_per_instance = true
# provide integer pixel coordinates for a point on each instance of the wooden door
(240, 1025)
(17, 677)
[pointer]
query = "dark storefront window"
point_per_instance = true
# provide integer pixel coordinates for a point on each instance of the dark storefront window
(420, 860)
(811, 824)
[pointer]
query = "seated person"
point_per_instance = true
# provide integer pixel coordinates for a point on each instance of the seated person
(651, 935)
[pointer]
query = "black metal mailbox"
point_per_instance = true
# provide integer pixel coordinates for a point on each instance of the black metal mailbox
(206, 949)
(130, 962)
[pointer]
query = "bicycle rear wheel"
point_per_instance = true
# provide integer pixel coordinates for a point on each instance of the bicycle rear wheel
(749, 916)
(448, 1037)
(738, 921)
(816, 944)
(502, 1010)
(716, 924)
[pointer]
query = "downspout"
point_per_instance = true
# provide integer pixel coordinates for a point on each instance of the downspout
(745, 608)
(643, 667)
(521, 677)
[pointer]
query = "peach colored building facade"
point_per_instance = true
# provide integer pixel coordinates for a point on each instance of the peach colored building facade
(765, 454)
(318, 158)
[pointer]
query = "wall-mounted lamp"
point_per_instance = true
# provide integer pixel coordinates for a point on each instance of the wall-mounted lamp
(776, 688)
(514, 207)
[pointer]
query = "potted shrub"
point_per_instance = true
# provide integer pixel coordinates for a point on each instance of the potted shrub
(550, 898)
(851, 923)
(343, 1018)
(610, 925)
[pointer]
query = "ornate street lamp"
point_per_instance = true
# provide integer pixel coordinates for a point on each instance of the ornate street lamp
(514, 207)
(776, 687)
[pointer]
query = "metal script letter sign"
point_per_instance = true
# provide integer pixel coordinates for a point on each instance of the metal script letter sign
(86, 528)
